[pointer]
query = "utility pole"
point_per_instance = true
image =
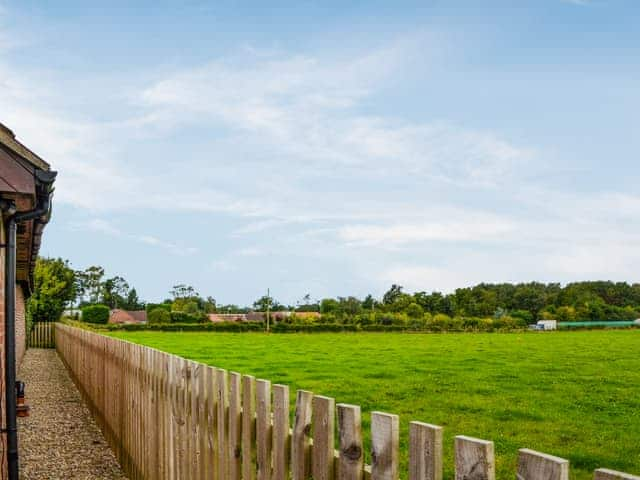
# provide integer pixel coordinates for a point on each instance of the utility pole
(268, 307)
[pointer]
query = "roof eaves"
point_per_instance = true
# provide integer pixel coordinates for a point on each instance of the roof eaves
(8, 139)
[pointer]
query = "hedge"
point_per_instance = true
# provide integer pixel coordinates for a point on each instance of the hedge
(191, 327)
(95, 314)
(183, 317)
(158, 315)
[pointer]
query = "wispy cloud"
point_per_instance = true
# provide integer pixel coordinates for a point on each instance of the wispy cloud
(305, 111)
(108, 228)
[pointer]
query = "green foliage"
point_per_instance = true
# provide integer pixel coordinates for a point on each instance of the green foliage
(150, 307)
(54, 287)
(158, 316)
(95, 314)
(184, 317)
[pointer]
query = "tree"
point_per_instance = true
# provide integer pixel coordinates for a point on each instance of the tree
(369, 303)
(265, 302)
(132, 302)
(89, 284)
(392, 294)
(183, 291)
(114, 292)
(54, 287)
(329, 305)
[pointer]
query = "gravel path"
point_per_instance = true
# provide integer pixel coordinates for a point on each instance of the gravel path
(59, 440)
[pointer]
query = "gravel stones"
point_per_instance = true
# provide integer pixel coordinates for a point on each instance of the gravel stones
(60, 439)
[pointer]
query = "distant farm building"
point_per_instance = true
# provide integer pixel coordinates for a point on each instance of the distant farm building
(118, 316)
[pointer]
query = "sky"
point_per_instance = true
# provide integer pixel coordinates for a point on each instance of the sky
(332, 148)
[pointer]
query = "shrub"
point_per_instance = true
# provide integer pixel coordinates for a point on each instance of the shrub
(158, 316)
(414, 311)
(95, 314)
(183, 317)
(153, 306)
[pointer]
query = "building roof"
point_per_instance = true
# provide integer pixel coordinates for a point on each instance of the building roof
(8, 139)
(127, 316)
(19, 167)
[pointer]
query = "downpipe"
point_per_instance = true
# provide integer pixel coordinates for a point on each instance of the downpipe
(44, 192)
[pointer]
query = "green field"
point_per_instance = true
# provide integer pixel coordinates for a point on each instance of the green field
(574, 394)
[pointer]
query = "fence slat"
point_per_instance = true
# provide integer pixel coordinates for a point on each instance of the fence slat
(425, 451)
(42, 335)
(222, 445)
(474, 459)
(235, 426)
(301, 440)
(534, 465)
(248, 427)
(263, 428)
(323, 437)
(211, 415)
(351, 461)
(281, 437)
(606, 474)
(385, 439)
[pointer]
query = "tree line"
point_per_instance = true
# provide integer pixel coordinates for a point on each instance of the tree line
(58, 286)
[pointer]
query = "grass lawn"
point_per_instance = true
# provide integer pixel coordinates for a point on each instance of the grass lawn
(573, 394)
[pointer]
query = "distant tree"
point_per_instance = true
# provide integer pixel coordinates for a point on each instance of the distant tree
(414, 310)
(392, 294)
(132, 302)
(114, 292)
(89, 284)
(329, 305)
(54, 288)
(264, 302)
(183, 291)
(369, 303)
(349, 306)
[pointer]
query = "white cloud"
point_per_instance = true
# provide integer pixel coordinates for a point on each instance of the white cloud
(108, 228)
(472, 230)
(304, 109)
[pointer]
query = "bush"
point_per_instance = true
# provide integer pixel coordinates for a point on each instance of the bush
(158, 316)
(153, 306)
(95, 314)
(183, 317)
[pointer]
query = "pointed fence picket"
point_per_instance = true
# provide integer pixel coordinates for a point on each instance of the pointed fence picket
(170, 418)
(41, 335)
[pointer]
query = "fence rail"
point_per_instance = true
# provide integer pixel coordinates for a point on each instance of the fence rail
(42, 335)
(170, 418)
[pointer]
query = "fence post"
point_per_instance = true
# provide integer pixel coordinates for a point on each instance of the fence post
(534, 465)
(351, 461)
(385, 439)
(425, 451)
(248, 427)
(301, 440)
(263, 428)
(221, 383)
(474, 459)
(323, 437)
(606, 474)
(235, 426)
(281, 455)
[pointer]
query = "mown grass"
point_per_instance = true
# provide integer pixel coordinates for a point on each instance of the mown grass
(571, 394)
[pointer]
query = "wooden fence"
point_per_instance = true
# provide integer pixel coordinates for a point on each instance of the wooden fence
(170, 418)
(42, 334)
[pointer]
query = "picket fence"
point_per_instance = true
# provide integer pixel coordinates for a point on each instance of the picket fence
(170, 418)
(42, 334)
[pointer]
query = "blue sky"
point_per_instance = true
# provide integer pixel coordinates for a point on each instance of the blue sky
(333, 148)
